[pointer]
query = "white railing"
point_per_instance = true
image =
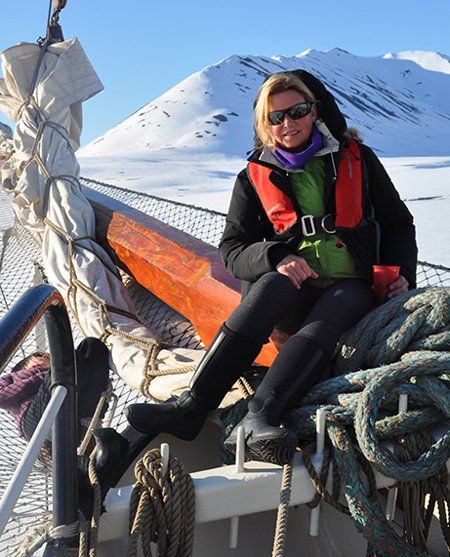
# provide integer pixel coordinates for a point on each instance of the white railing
(20, 476)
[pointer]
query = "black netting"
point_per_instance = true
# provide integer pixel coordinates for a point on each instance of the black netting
(18, 273)
(20, 269)
(201, 223)
(432, 275)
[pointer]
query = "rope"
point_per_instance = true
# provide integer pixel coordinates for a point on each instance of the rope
(279, 540)
(246, 389)
(88, 533)
(152, 346)
(35, 539)
(49, 15)
(88, 539)
(319, 483)
(415, 497)
(93, 423)
(427, 464)
(97, 509)
(402, 347)
(64, 531)
(162, 508)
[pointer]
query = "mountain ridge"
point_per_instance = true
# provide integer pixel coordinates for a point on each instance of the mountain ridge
(400, 107)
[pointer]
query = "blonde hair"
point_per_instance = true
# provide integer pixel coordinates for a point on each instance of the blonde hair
(276, 83)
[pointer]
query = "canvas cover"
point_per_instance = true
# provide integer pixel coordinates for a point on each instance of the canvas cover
(42, 174)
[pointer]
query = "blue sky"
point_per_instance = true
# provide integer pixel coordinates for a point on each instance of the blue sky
(141, 49)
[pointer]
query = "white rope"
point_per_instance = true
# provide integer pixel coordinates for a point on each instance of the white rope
(65, 530)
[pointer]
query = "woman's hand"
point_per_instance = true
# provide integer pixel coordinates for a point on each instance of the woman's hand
(296, 269)
(398, 287)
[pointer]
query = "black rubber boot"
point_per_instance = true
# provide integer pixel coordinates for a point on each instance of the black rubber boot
(228, 357)
(114, 455)
(183, 417)
(297, 368)
(265, 439)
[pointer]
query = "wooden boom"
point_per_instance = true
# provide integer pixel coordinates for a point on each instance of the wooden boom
(184, 272)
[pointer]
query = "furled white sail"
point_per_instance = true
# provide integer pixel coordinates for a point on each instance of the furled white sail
(42, 91)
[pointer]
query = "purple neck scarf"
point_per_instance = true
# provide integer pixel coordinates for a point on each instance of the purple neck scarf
(298, 160)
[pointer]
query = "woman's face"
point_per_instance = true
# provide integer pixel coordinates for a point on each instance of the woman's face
(291, 135)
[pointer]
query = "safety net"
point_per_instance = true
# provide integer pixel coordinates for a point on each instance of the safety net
(20, 269)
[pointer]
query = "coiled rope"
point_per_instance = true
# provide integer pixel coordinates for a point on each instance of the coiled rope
(402, 347)
(162, 508)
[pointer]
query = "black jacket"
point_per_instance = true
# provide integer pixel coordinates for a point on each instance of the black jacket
(250, 247)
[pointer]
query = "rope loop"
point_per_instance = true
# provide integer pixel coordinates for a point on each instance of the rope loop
(162, 507)
(427, 365)
(402, 347)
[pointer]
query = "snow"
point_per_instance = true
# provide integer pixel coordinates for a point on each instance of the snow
(433, 61)
(400, 108)
(204, 180)
(424, 183)
(189, 143)
(207, 181)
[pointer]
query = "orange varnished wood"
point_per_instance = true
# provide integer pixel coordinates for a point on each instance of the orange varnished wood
(184, 272)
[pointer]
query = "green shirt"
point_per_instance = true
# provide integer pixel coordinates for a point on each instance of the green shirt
(325, 253)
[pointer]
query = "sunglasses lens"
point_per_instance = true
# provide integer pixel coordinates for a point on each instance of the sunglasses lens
(276, 117)
(295, 112)
(299, 110)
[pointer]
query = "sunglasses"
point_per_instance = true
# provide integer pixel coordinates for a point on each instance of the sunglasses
(295, 112)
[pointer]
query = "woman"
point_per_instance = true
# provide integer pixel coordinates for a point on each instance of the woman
(309, 216)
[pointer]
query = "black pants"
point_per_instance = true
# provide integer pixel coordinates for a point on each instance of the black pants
(315, 317)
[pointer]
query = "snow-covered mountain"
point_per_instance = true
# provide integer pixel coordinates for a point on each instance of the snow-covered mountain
(400, 103)
(434, 61)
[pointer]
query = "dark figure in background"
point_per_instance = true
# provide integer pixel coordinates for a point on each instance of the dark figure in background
(26, 390)
(310, 215)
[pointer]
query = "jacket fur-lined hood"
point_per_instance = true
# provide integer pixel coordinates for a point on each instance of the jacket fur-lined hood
(353, 133)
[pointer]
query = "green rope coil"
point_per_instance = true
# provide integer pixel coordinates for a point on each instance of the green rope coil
(402, 347)
(417, 320)
(428, 363)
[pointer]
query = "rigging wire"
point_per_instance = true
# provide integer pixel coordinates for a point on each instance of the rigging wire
(49, 14)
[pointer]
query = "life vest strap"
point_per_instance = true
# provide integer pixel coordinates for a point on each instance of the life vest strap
(349, 187)
(317, 225)
(278, 206)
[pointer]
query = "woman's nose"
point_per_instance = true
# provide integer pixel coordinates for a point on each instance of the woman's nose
(287, 120)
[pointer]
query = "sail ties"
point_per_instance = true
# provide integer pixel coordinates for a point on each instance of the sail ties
(43, 175)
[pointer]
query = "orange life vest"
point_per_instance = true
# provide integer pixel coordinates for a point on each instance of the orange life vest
(348, 192)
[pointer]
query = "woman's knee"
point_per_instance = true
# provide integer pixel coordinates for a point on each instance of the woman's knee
(260, 310)
(272, 286)
(353, 293)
